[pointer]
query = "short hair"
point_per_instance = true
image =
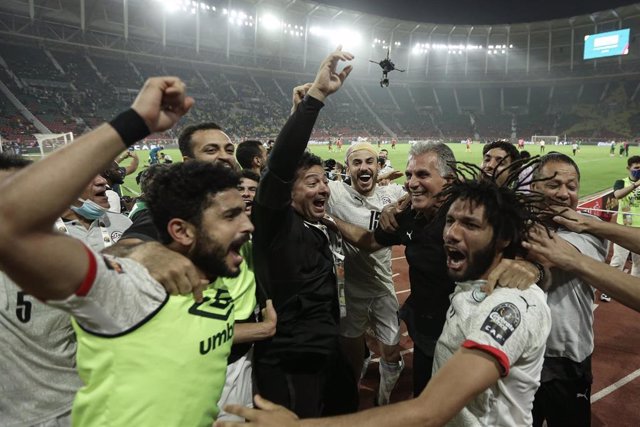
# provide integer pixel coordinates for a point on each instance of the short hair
(444, 155)
(510, 212)
(185, 190)
(246, 151)
(307, 161)
(507, 147)
(13, 161)
(184, 140)
(632, 160)
(524, 154)
(249, 174)
(552, 157)
(146, 176)
(385, 150)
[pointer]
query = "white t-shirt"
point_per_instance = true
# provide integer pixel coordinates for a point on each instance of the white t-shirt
(366, 274)
(512, 326)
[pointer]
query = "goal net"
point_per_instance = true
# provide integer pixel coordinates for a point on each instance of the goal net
(49, 142)
(548, 139)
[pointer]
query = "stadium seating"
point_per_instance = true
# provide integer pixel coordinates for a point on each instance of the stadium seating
(74, 89)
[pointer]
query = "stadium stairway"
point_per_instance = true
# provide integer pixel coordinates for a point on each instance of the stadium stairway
(23, 109)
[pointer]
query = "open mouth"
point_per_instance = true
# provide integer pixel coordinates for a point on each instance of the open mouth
(234, 250)
(319, 203)
(102, 193)
(365, 177)
(455, 258)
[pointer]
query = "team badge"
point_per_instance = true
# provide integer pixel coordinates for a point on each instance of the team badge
(115, 236)
(502, 321)
(478, 295)
(386, 200)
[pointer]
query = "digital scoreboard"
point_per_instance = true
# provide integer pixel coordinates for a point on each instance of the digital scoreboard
(611, 43)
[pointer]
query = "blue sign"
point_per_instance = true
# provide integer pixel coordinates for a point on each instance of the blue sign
(612, 43)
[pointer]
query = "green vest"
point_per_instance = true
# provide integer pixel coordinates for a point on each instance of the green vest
(167, 371)
(629, 204)
(243, 287)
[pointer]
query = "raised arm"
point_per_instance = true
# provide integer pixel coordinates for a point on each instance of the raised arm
(559, 253)
(627, 237)
(49, 265)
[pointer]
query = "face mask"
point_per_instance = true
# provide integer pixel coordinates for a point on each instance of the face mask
(89, 210)
(635, 174)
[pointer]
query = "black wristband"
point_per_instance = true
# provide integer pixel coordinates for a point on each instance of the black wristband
(541, 274)
(130, 126)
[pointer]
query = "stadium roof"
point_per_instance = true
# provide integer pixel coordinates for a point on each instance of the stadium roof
(476, 12)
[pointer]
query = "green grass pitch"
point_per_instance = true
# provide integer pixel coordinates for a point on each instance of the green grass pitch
(598, 170)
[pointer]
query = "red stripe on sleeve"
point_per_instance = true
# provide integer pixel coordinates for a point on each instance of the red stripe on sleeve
(500, 356)
(86, 284)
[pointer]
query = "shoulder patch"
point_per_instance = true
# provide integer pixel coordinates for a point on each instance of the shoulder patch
(502, 321)
(116, 235)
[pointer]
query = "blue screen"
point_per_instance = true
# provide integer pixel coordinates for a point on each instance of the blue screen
(611, 43)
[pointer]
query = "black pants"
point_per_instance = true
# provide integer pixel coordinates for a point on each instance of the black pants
(422, 366)
(563, 403)
(311, 389)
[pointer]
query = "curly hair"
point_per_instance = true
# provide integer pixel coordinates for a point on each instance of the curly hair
(510, 211)
(185, 190)
(12, 161)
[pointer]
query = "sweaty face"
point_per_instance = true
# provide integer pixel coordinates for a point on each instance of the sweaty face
(96, 191)
(224, 228)
(424, 182)
(494, 162)
(363, 170)
(468, 242)
(247, 189)
(310, 193)
(563, 188)
(213, 146)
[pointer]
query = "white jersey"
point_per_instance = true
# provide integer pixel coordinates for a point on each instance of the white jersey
(38, 363)
(512, 326)
(571, 303)
(366, 274)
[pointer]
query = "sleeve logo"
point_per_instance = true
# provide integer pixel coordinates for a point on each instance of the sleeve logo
(501, 322)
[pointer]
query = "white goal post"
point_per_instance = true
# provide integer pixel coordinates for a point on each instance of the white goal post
(548, 139)
(49, 142)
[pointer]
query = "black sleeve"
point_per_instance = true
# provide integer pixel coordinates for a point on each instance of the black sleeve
(405, 223)
(142, 228)
(618, 185)
(275, 186)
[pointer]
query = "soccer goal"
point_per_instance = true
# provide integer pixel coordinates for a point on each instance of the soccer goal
(49, 142)
(548, 139)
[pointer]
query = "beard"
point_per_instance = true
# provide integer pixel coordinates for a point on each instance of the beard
(209, 257)
(477, 264)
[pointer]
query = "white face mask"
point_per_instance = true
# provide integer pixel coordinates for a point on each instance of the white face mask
(89, 210)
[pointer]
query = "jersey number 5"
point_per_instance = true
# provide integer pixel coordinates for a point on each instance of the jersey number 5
(23, 308)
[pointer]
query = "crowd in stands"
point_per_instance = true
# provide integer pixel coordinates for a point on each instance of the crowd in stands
(73, 90)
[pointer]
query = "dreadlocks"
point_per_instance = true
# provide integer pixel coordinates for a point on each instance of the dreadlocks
(510, 211)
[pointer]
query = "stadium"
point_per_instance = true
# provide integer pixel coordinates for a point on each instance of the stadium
(66, 66)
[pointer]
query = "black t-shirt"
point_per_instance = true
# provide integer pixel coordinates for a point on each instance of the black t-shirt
(430, 283)
(292, 258)
(142, 228)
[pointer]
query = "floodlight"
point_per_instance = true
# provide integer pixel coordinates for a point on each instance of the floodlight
(171, 6)
(271, 22)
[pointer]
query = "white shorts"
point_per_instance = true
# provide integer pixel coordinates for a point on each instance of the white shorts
(238, 387)
(379, 313)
